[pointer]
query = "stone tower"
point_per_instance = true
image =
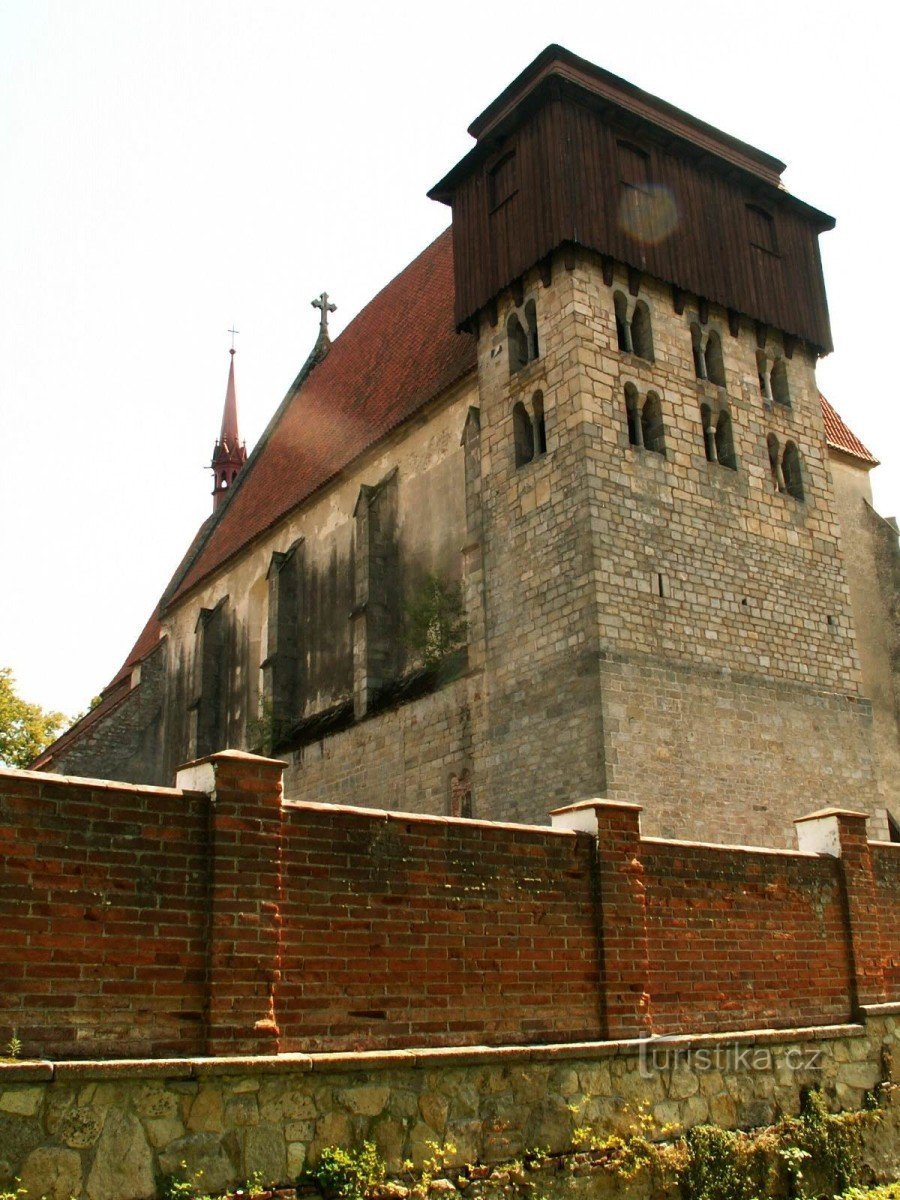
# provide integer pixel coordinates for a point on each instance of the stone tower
(653, 560)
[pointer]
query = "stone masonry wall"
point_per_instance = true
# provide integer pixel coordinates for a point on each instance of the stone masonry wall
(401, 758)
(107, 1131)
(126, 744)
(690, 623)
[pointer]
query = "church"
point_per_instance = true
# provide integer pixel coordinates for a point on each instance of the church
(560, 514)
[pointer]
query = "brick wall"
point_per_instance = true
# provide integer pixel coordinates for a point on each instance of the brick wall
(102, 916)
(744, 938)
(219, 919)
(402, 931)
(886, 866)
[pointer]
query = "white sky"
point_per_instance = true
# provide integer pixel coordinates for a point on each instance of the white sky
(171, 167)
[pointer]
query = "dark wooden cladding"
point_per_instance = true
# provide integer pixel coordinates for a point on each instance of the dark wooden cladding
(569, 185)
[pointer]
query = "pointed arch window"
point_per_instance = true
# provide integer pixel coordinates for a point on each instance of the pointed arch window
(791, 471)
(652, 429)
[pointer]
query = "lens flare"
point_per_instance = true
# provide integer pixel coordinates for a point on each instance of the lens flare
(648, 214)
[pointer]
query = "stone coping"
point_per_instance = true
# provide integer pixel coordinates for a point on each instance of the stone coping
(94, 785)
(769, 851)
(381, 814)
(39, 1070)
(890, 1009)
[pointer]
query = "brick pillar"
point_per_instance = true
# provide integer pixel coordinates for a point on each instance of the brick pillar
(622, 910)
(244, 951)
(841, 833)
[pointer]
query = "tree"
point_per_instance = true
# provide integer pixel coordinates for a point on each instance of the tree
(25, 729)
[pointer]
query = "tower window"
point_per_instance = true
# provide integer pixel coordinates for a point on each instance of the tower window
(540, 428)
(709, 437)
(623, 329)
(791, 471)
(529, 430)
(724, 439)
(518, 343)
(779, 383)
(774, 451)
(697, 349)
(502, 180)
(522, 334)
(633, 415)
(641, 333)
(715, 363)
(652, 430)
(761, 229)
(523, 435)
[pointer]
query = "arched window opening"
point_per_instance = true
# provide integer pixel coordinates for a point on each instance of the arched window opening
(709, 437)
(762, 371)
(652, 430)
(540, 428)
(532, 331)
(523, 435)
(633, 416)
(790, 469)
(518, 343)
(775, 462)
(623, 330)
(779, 386)
(697, 347)
(715, 363)
(224, 483)
(641, 333)
(725, 441)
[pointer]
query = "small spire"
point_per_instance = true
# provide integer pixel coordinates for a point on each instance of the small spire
(230, 452)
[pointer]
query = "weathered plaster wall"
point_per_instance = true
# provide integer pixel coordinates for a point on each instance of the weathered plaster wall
(873, 573)
(430, 522)
(101, 1131)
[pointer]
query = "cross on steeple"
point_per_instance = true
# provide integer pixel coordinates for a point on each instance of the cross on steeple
(232, 331)
(325, 307)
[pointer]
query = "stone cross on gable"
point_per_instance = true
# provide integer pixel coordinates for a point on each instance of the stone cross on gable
(325, 307)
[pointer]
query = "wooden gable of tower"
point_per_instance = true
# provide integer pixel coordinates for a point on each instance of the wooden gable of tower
(570, 154)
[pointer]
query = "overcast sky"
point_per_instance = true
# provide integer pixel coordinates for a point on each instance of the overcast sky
(169, 168)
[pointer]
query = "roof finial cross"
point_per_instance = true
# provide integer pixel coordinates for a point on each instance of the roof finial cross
(325, 307)
(233, 332)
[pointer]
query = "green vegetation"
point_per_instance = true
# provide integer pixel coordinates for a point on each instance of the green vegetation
(435, 624)
(349, 1174)
(25, 729)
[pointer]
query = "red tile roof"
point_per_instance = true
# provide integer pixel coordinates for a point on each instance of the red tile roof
(840, 437)
(401, 351)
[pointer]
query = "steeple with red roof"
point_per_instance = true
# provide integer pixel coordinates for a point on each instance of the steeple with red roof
(230, 452)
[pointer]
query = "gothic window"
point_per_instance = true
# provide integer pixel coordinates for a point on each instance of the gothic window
(523, 435)
(761, 229)
(709, 436)
(715, 363)
(724, 441)
(208, 708)
(633, 415)
(791, 471)
(540, 428)
(460, 798)
(652, 431)
(623, 329)
(641, 333)
(518, 343)
(774, 451)
(780, 391)
(697, 348)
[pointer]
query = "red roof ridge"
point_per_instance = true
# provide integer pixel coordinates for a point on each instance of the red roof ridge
(841, 437)
(398, 353)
